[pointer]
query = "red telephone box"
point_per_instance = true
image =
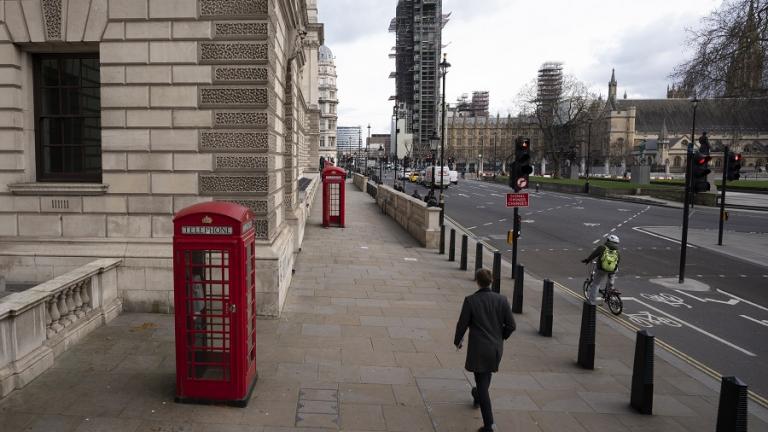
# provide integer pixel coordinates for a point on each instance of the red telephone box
(214, 282)
(334, 181)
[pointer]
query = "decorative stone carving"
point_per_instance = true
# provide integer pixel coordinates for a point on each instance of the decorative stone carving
(234, 141)
(233, 8)
(262, 229)
(240, 119)
(233, 96)
(218, 184)
(257, 206)
(52, 19)
(233, 52)
(244, 162)
(240, 30)
(239, 73)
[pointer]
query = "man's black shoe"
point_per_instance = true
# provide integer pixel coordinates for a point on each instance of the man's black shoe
(475, 399)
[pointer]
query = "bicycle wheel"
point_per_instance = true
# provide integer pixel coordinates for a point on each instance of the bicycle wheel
(586, 289)
(614, 303)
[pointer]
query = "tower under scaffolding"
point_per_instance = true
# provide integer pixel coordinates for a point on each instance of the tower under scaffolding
(549, 85)
(418, 26)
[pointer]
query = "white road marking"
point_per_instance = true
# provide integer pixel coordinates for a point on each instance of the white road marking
(742, 276)
(472, 227)
(363, 247)
(639, 229)
(742, 300)
(527, 221)
(410, 259)
(591, 224)
(596, 241)
(730, 302)
(704, 332)
(489, 223)
(761, 322)
(504, 220)
(464, 195)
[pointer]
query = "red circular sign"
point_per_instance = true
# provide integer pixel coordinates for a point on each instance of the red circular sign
(522, 182)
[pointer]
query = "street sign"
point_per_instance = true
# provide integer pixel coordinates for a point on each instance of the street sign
(522, 183)
(517, 199)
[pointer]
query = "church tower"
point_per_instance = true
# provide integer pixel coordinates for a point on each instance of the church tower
(612, 86)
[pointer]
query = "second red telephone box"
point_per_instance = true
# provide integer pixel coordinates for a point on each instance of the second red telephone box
(334, 180)
(214, 282)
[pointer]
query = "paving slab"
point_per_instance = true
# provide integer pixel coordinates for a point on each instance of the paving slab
(364, 343)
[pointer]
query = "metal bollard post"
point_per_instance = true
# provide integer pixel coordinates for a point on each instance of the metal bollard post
(452, 246)
(547, 308)
(517, 294)
(586, 357)
(463, 262)
(478, 257)
(641, 396)
(732, 410)
(497, 271)
(442, 239)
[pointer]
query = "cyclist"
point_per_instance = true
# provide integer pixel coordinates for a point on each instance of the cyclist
(607, 265)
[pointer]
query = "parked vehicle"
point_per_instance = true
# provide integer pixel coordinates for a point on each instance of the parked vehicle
(413, 177)
(442, 176)
(454, 176)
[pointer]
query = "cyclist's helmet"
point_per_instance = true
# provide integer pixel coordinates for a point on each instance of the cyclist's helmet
(612, 239)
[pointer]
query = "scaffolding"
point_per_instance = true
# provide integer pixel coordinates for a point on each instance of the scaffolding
(418, 26)
(480, 104)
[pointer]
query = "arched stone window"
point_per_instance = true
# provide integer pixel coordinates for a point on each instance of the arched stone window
(677, 162)
(717, 163)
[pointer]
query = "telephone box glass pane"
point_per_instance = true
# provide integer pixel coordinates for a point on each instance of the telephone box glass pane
(208, 314)
(251, 300)
(333, 188)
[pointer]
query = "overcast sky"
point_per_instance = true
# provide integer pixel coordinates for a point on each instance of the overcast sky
(498, 46)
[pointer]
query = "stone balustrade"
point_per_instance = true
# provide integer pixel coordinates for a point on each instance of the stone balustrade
(422, 222)
(360, 181)
(39, 324)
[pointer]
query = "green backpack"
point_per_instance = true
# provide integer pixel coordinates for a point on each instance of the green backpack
(609, 260)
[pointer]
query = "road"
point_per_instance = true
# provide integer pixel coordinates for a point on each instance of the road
(724, 325)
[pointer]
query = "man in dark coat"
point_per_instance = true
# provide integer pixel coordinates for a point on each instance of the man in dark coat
(489, 319)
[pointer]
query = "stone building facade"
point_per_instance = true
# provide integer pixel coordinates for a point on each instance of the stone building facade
(474, 143)
(328, 103)
(115, 114)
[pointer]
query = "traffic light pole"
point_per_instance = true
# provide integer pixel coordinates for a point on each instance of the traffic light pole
(515, 238)
(722, 197)
(686, 206)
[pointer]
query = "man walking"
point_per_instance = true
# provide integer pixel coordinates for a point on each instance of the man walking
(489, 319)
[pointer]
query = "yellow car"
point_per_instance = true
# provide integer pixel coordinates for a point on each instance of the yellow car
(414, 177)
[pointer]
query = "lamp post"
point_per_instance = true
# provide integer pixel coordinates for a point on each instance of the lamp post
(688, 165)
(444, 65)
(495, 138)
(479, 162)
(359, 148)
(589, 152)
(381, 164)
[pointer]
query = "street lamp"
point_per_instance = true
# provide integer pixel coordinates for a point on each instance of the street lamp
(381, 164)
(444, 65)
(359, 149)
(495, 138)
(686, 205)
(589, 152)
(479, 162)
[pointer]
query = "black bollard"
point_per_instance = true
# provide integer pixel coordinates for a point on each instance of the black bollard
(478, 257)
(497, 271)
(517, 294)
(452, 246)
(732, 411)
(463, 262)
(547, 308)
(641, 396)
(586, 357)
(442, 239)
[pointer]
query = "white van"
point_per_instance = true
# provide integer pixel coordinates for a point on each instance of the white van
(454, 176)
(440, 174)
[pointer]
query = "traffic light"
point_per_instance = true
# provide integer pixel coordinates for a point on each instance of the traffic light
(521, 168)
(700, 172)
(734, 165)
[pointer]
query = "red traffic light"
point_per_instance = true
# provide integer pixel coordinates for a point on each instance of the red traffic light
(737, 157)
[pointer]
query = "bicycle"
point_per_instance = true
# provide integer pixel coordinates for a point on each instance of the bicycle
(611, 296)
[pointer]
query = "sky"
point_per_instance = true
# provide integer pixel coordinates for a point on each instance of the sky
(498, 46)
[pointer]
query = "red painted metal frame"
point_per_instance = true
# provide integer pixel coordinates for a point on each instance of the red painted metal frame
(242, 370)
(333, 175)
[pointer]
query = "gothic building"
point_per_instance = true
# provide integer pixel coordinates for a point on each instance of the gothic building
(657, 131)
(116, 114)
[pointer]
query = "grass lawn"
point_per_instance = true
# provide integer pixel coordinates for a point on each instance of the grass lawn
(605, 184)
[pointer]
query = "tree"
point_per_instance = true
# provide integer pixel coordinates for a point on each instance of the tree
(562, 118)
(730, 52)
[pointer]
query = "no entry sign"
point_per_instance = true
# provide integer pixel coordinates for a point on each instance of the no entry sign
(517, 199)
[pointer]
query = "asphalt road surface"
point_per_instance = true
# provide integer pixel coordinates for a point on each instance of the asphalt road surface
(724, 325)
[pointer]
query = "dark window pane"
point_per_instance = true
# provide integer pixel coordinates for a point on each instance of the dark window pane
(70, 72)
(53, 159)
(72, 131)
(50, 131)
(90, 103)
(49, 69)
(70, 101)
(50, 101)
(90, 72)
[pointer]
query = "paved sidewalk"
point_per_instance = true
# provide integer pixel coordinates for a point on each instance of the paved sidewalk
(364, 344)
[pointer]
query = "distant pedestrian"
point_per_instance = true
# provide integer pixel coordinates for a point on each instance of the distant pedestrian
(488, 317)
(704, 143)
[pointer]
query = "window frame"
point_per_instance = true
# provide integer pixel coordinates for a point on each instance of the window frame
(38, 89)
